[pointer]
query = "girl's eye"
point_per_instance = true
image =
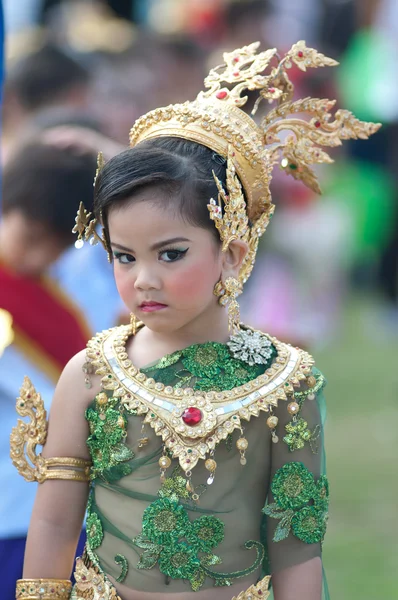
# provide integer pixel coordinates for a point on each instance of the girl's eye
(123, 259)
(172, 255)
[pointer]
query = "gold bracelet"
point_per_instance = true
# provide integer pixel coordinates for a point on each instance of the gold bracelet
(43, 589)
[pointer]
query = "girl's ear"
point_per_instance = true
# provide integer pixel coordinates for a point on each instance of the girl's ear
(233, 258)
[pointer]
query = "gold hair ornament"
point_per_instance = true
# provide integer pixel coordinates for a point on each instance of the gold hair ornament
(215, 119)
(26, 436)
(85, 226)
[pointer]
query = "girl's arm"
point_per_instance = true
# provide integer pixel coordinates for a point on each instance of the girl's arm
(60, 505)
(297, 501)
(300, 581)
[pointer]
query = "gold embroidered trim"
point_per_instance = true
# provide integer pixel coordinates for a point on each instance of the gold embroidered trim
(91, 583)
(259, 590)
(26, 436)
(163, 406)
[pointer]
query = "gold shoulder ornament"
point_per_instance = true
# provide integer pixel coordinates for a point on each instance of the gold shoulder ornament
(26, 436)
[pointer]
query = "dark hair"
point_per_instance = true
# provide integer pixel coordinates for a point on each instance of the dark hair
(47, 184)
(44, 75)
(182, 170)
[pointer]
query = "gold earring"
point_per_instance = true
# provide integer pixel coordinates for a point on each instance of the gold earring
(133, 323)
(227, 293)
(219, 290)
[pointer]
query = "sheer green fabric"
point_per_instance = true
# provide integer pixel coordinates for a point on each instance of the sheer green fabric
(126, 487)
(291, 550)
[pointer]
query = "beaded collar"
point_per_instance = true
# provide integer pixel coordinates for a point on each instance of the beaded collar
(191, 423)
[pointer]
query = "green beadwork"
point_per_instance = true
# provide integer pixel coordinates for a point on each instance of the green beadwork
(293, 485)
(309, 525)
(95, 532)
(297, 434)
(206, 533)
(107, 432)
(180, 547)
(123, 562)
(300, 505)
(321, 499)
(179, 561)
(164, 521)
(206, 367)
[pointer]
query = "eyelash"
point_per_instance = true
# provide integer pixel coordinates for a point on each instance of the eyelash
(180, 254)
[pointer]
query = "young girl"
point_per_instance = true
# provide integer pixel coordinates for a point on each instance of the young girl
(202, 438)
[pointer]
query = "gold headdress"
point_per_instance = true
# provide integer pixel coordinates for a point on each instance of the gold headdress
(216, 120)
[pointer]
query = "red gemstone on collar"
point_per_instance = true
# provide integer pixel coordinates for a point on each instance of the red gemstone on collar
(192, 416)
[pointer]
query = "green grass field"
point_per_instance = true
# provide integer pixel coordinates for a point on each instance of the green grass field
(361, 547)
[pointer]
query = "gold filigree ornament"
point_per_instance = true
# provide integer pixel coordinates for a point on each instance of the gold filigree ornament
(91, 582)
(86, 226)
(216, 119)
(256, 591)
(26, 436)
(192, 423)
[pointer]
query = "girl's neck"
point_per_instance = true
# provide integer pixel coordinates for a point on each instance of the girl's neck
(152, 345)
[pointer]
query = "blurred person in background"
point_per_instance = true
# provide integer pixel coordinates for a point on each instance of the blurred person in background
(368, 85)
(42, 188)
(44, 79)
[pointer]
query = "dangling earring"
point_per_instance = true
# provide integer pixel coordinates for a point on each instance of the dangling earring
(227, 294)
(133, 323)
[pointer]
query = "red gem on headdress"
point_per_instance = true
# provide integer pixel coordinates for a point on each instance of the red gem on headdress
(317, 124)
(300, 54)
(271, 90)
(236, 73)
(192, 416)
(236, 59)
(221, 95)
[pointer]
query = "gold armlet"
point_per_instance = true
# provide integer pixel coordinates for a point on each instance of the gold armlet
(43, 589)
(258, 590)
(26, 436)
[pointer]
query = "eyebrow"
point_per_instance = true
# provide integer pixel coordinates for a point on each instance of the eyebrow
(154, 246)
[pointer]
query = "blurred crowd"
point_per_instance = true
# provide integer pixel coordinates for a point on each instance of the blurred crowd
(78, 74)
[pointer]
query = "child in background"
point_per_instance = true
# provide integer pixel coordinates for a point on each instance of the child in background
(42, 188)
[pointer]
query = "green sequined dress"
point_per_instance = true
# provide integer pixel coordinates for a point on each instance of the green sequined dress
(230, 529)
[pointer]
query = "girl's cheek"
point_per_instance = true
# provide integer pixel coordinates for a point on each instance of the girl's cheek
(190, 282)
(124, 283)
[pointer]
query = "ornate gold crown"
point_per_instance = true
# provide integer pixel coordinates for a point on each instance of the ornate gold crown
(216, 120)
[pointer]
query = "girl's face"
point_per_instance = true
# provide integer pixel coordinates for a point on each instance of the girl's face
(165, 268)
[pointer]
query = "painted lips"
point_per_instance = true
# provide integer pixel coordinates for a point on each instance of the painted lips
(152, 306)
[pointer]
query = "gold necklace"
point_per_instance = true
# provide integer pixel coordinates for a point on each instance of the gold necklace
(191, 423)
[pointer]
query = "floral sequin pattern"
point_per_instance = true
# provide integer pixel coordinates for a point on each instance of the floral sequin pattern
(94, 529)
(207, 367)
(298, 434)
(106, 440)
(301, 503)
(181, 548)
